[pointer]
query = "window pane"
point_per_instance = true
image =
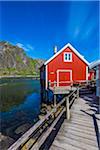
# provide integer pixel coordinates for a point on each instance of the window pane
(69, 57)
(66, 56)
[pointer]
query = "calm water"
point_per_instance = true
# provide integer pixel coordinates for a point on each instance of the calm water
(19, 104)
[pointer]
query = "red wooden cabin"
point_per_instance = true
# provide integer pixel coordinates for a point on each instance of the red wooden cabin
(64, 67)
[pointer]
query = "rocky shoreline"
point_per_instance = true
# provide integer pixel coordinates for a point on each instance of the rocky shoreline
(20, 76)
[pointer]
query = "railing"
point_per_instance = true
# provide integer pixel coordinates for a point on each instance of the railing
(72, 83)
(55, 115)
(55, 84)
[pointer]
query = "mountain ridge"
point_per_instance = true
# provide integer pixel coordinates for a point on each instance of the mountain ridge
(14, 61)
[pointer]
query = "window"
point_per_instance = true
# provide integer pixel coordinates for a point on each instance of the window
(67, 57)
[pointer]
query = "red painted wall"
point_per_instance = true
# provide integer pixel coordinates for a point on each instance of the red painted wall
(77, 66)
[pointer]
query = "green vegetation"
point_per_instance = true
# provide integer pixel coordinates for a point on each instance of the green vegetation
(18, 59)
(14, 61)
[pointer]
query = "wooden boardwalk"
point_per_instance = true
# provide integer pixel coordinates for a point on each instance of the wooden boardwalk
(79, 132)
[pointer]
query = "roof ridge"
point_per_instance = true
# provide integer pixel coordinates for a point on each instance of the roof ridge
(73, 49)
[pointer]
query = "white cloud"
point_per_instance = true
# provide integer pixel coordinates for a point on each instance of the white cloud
(22, 46)
(26, 49)
(30, 47)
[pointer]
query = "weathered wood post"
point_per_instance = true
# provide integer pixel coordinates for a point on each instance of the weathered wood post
(67, 108)
(54, 94)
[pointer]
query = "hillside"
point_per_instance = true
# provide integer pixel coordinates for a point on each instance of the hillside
(14, 61)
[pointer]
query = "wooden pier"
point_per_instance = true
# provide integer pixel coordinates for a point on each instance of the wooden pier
(79, 131)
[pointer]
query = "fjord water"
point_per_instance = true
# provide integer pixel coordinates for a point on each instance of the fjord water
(19, 105)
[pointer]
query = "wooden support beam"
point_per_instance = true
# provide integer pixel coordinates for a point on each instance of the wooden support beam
(55, 100)
(54, 94)
(67, 109)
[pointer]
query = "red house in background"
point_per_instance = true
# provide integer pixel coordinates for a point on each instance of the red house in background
(91, 74)
(65, 66)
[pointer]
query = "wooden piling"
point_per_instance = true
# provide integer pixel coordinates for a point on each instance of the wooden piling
(55, 94)
(67, 108)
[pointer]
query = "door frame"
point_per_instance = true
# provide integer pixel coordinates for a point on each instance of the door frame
(63, 70)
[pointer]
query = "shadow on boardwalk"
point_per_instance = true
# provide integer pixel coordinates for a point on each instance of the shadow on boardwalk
(94, 102)
(82, 128)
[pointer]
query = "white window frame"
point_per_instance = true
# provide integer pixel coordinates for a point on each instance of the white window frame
(70, 57)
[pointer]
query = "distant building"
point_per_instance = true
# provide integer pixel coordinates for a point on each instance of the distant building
(91, 75)
(64, 67)
(96, 66)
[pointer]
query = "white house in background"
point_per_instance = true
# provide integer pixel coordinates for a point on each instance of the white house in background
(96, 65)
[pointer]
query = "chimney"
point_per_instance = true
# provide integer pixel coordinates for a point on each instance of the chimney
(55, 50)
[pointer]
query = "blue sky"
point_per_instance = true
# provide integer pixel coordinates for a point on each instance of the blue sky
(38, 26)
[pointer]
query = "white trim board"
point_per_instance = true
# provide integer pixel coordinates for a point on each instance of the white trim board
(61, 70)
(86, 72)
(73, 49)
(46, 82)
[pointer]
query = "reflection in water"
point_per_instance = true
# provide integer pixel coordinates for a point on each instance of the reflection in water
(19, 105)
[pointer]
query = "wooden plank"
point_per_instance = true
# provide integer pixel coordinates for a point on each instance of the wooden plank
(76, 143)
(79, 138)
(79, 113)
(65, 145)
(89, 118)
(78, 107)
(78, 126)
(82, 118)
(42, 138)
(53, 147)
(82, 134)
(90, 121)
(72, 100)
(80, 130)
(83, 121)
(61, 102)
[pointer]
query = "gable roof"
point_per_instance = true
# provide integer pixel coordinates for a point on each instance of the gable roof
(94, 64)
(73, 49)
